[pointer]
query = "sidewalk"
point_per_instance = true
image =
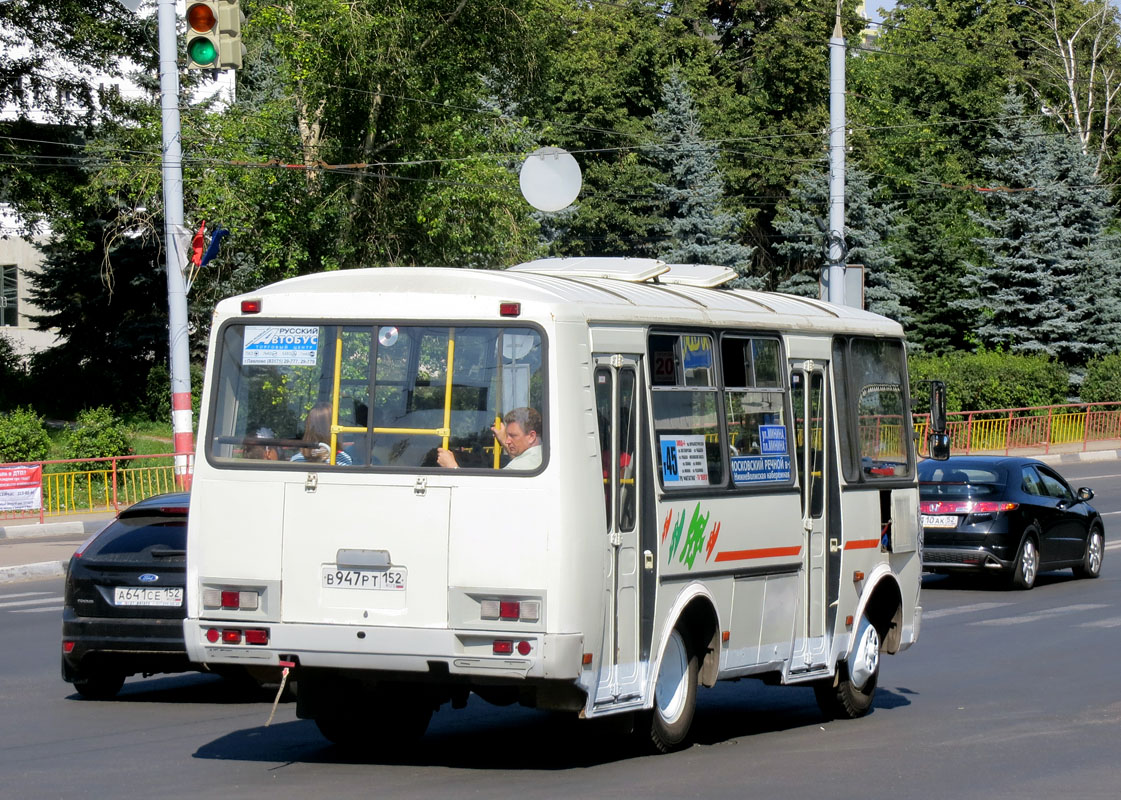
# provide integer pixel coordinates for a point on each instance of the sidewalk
(30, 549)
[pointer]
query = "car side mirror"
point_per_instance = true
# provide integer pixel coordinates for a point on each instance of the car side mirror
(938, 446)
(1085, 494)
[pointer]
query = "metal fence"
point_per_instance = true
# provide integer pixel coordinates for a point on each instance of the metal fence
(81, 486)
(1070, 427)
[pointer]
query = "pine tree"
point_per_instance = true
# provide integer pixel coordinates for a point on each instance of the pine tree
(1050, 282)
(699, 231)
(867, 223)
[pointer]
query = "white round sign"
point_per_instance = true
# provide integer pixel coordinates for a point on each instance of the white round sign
(550, 179)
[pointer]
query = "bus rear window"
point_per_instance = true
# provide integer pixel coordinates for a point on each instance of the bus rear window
(371, 395)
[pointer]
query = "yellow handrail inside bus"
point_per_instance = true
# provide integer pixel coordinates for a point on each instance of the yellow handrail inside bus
(446, 431)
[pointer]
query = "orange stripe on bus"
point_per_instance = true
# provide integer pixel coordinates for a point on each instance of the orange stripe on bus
(766, 552)
(862, 544)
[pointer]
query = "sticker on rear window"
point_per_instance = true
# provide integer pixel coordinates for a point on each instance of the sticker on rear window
(280, 345)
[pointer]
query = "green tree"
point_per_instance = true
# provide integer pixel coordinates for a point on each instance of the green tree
(1051, 281)
(868, 221)
(699, 229)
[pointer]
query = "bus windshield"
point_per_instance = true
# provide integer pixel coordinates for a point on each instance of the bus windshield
(376, 395)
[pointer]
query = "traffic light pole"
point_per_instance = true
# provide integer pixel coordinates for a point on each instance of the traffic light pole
(176, 238)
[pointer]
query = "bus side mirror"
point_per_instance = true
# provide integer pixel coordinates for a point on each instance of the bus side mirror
(938, 441)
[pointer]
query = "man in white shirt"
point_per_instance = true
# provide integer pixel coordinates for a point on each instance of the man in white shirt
(520, 435)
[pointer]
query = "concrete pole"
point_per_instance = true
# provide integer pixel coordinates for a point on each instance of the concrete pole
(835, 276)
(176, 239)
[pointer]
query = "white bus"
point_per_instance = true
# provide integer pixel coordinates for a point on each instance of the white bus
(723, 486)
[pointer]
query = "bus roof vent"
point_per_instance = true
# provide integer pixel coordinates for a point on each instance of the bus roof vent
(633, 270)
(702, 276)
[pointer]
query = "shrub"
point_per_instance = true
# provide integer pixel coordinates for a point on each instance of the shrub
(99, 434)
(1103, 380)
(23, 437)
(989, 380)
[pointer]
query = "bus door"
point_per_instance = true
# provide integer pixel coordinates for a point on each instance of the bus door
(813, 427)
(617, 394)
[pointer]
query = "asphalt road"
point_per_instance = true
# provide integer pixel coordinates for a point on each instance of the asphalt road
(1006, 695)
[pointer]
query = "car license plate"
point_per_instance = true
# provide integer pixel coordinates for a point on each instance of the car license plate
(171, 596)
(939, 521)
(392, 579)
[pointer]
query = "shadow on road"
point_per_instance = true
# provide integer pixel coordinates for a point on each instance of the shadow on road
(485, 737)
(989, 582)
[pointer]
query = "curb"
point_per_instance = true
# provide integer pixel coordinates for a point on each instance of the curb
(23, 572)
(45, 529)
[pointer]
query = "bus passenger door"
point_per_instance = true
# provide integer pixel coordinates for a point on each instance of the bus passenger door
(616, 390)
(813, 428)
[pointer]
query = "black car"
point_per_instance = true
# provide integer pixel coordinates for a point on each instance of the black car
(1010, 515)
(125, 599)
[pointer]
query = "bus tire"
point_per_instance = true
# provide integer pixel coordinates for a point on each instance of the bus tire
(849, 695)
(675, 696)
(354, 733)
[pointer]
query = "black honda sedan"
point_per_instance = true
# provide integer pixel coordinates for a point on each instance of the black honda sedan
(1009, 515)
(123, 607)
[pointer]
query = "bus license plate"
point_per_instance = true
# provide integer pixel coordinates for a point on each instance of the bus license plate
(939, 521)
(392, 579)
(171, 597)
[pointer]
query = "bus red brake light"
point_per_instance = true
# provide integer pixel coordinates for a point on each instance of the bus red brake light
(256, 636)
(250, 306)
(503, 647)
(509, 609)
(510, 309)
(231, 636)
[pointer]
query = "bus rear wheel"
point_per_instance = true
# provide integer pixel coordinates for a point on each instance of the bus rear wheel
(364, 729)
(850, 693)
(675, 696)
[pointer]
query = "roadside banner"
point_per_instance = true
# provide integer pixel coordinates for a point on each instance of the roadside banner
(21, 487)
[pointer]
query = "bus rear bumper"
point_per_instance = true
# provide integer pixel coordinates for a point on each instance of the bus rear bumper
(521, 655)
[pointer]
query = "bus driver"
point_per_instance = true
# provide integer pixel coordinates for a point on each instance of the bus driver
(521, 436)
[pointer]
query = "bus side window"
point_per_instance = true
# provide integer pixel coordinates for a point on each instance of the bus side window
(603, 384)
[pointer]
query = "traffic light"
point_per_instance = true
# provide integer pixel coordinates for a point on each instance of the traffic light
(202, 35)
(214, 34)
(230, 48)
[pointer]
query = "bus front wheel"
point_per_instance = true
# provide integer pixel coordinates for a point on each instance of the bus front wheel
(675, 695)
(850, 693)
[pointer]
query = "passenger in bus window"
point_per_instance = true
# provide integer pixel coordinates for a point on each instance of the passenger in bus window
(520, 433)
(317, 434)
(262, 452)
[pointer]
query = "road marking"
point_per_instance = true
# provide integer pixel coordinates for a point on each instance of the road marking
(22, 594)
(1113, 545)
(56, 598)
(1046, 614)
(55, 609)
(945, 612)
(1109, 513)
(1102, 623)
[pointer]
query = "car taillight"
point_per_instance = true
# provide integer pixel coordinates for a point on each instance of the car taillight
(966, 506)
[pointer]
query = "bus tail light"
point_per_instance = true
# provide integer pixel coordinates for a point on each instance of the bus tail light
(231, 636)
(510, 309)
(231, 599)
(510, 610)
(257, 636)
(250, 306)
(503, 647)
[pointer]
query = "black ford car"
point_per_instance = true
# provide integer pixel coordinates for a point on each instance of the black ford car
(1009, 515)
(124, 598)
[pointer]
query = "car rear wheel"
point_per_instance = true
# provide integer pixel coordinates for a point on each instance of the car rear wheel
(99, 686)
(675, 696)
(1027, 564)
(1091, 566)
(850, 693)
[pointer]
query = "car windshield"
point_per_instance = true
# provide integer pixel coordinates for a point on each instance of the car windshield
(141, 539)
(939, 479)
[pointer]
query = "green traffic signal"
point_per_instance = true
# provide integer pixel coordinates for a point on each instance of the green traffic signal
(202, 51)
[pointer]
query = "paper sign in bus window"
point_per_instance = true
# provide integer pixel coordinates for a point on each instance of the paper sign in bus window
(684, 461)
(284, 345)
(760, 469)
(772, 439)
